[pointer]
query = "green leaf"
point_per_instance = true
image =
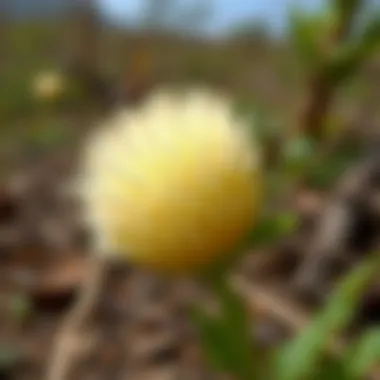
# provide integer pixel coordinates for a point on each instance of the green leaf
(273, 228)
(306, 33)
(370, 37)
(298, 155)
(330, 369)
(211, 334)
(346, 59)
(363, 354)
(310, 344)
(237, 329)
(225, 340)
(325, 172)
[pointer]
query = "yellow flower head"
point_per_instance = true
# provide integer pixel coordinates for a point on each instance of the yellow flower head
(48, 85)
(172, 185)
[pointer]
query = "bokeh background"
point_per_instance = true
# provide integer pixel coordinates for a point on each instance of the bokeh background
(66, 65)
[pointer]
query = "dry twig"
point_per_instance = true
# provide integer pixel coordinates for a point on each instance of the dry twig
(321, 89)
(260, 298)
(64, 350)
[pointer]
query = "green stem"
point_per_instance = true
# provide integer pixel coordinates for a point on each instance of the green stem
(236, 327)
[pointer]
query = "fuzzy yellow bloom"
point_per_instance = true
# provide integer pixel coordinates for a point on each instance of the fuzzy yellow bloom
(172, 185)
(47, 85)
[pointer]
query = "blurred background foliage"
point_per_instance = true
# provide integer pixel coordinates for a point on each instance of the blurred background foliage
(258, 67)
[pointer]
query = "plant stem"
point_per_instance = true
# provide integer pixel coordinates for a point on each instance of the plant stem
(322, 88)
(236, 324)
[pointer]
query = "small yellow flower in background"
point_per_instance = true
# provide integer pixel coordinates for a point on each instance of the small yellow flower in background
(172, 185)
(48, 85)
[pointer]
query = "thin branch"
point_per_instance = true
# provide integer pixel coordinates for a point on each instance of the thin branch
(64, 351)
(321, 88)
(260, 298)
